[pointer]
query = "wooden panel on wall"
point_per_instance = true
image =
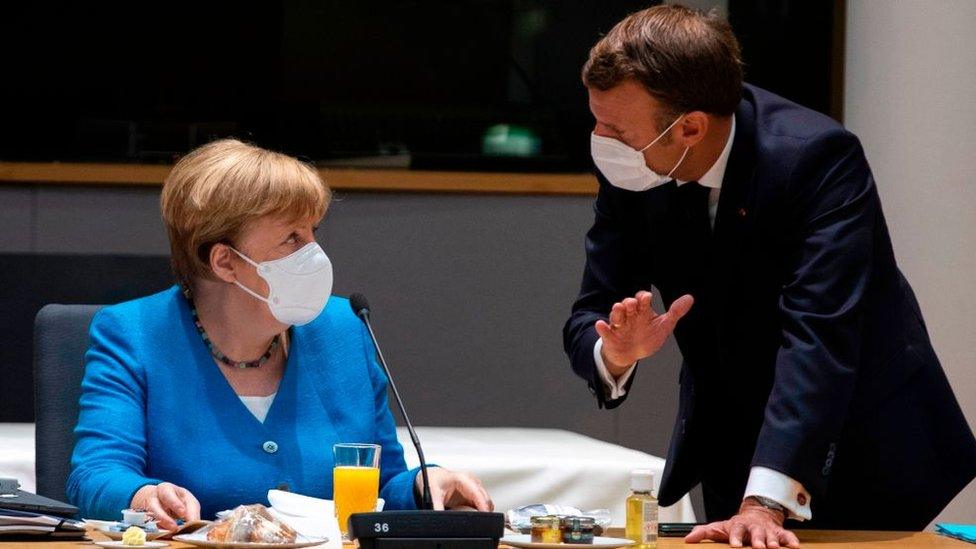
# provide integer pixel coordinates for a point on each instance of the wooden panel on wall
(343, 179)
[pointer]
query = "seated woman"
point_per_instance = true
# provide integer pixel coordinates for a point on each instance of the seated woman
(242, 377)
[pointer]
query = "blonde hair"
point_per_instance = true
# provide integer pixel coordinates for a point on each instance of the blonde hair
(216, 190)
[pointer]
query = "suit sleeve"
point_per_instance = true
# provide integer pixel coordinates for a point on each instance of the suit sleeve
(617, 266)
(832, 196)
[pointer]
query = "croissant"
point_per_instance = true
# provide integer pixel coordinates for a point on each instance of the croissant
(251, 523)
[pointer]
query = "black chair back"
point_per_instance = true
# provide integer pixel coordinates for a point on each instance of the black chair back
(60, 342)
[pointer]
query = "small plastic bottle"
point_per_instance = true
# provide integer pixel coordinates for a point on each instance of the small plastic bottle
(642, 510)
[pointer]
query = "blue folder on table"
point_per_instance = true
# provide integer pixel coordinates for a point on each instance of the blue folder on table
(965, 532)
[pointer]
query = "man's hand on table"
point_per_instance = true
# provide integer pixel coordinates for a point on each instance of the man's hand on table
(636, 331)
(451, 490)
(755, 524)
(167, 502)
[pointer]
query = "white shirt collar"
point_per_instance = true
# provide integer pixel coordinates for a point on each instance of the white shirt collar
(713, 177)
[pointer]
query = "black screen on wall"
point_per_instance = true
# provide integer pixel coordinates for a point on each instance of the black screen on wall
(417, 82)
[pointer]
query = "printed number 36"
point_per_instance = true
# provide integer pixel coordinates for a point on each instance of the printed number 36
(381, 527)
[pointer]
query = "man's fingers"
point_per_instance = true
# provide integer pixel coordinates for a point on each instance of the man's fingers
(680, 308)
(757, 536)
(715, 531)
(696, 535)
(789, 539)
(604, 330)
(736, 531)
(630, 305)
(618, 315)
(772, 539)
(643, 302)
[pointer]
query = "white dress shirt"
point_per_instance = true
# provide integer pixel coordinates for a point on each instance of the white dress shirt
(763, 481)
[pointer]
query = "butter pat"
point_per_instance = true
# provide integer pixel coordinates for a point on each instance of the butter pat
(134, 536)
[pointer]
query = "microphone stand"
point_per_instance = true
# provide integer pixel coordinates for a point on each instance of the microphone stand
(423, 528)
(426, 502)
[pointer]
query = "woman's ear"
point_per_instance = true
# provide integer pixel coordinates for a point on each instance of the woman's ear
(693, 128)
(222, 262)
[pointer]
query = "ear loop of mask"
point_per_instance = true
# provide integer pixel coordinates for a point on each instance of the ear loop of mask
(662, 134)
(680, 160)
(658, 138)
(243, 287)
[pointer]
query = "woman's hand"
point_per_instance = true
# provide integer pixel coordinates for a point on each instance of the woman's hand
(450, 490)
(167, 502)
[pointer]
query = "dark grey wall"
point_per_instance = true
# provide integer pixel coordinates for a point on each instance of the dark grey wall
(469, 296)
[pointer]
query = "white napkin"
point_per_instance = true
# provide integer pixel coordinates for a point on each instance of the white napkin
(311, 517)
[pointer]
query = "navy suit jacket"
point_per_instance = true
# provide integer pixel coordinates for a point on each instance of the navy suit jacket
(805, 351)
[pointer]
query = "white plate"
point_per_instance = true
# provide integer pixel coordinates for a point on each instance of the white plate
(105, 527)
(117, 536)
(201, 540)
(147, 545)
(525, 540)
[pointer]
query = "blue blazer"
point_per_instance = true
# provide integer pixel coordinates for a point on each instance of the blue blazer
(805, 351)
(155, 407)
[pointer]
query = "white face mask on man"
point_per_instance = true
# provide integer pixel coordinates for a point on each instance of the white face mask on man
(299, 284)
(624, 167)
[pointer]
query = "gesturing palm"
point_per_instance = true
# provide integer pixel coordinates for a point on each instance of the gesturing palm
(636, 331)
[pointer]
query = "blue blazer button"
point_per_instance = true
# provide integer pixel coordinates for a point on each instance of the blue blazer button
(270, 446)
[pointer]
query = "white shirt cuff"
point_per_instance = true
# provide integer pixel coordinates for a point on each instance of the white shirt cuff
(614, 386)
(767, 483)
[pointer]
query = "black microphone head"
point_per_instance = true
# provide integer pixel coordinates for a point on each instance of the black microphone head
(359, 304)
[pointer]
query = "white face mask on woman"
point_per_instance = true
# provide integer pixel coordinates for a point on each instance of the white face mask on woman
(299, 284)
(624, 167)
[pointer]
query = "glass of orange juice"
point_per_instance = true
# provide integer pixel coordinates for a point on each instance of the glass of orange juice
(355, 481)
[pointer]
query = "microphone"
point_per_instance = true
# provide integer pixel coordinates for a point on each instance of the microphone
(360, 306)
(423, 528)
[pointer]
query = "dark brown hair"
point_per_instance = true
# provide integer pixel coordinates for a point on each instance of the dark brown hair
(688, 60)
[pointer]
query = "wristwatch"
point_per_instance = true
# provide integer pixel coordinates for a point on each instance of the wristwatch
(772, 505)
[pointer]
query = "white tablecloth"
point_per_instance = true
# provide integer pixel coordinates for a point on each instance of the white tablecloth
(17, 453)
(517, 466)
(523, 466)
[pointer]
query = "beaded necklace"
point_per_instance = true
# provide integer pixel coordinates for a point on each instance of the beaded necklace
(214, 352)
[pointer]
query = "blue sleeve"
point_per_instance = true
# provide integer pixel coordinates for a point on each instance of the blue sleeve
(109, 460)
(396, 481)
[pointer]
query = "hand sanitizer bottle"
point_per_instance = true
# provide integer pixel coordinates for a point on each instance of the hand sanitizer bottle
(642, 510)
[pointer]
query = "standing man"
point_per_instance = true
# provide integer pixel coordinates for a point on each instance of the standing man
(809, 387)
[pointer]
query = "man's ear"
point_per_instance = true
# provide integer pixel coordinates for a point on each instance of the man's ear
(692, 129)
(222, 262)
